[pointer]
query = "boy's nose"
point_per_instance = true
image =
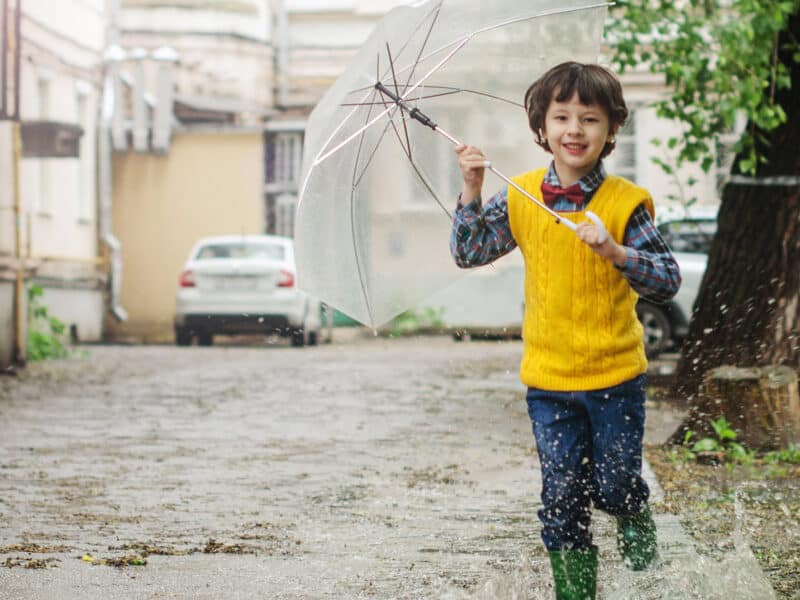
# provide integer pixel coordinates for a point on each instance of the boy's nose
(575, 127)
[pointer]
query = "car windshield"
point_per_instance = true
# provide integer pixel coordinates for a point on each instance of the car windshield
(692, 235)
(247, 250)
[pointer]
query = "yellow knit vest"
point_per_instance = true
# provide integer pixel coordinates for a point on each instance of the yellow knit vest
(580, 330)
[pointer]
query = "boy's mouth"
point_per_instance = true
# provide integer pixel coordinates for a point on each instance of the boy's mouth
(574, 148)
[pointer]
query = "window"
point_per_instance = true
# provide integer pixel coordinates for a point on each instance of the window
(283, 156)
(285, 205)
(283, 153)
(241, 250)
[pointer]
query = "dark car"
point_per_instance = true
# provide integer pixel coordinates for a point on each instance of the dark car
(666, 325)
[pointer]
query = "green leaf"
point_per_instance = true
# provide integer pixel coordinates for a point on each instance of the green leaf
(706, 445)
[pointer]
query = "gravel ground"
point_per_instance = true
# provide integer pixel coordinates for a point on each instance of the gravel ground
(724, 505)
(368, 468)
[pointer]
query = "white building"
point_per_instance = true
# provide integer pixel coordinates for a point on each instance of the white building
(61, 54)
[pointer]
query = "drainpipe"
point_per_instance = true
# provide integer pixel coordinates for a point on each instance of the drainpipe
(113, 56)
(283, 53)
(12, 38)
(20, 351)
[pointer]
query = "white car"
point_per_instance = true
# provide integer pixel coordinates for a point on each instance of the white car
(243, 284)
(666, 325)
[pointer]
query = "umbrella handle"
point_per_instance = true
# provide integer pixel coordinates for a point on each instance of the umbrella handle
(602, 232)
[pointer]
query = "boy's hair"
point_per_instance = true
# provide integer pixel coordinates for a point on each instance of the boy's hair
(594, 84)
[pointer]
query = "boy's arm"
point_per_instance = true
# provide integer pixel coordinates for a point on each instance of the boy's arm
(481, 235)
(649, 265)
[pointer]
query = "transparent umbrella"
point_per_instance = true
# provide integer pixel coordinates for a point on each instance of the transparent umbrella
(378, 187)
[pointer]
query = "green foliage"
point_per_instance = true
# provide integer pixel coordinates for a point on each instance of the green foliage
(787, 455)
(720, 59)
(46, 334)
(411, 321)
(724, 441)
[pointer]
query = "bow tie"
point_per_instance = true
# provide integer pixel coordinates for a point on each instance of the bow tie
(573, 193)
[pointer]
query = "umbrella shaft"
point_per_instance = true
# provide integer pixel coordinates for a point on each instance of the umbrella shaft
(418, 115)
(414, 113)
(510, 182)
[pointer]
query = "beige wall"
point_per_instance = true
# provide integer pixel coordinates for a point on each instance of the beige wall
(209, 184)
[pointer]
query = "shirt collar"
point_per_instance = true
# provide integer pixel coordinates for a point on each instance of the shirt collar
(589, 182)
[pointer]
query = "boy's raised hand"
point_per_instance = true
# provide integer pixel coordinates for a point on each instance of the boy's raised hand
(590, 234)
(473, 166)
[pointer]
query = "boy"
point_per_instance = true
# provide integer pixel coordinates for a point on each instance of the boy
(583, 360)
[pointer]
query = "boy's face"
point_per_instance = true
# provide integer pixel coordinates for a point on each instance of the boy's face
(576, 134)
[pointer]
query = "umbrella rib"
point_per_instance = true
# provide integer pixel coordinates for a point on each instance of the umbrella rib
(457, 46)
(449, 93)
(402, 110)
(354, 184)
(322, 157)
(384, 112)
(430, 189)
(375, 150)
(423, 45)
(467, 37)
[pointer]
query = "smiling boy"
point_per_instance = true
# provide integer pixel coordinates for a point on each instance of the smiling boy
(583, 361)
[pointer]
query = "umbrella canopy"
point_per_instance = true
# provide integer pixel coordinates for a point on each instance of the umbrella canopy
(377, 187)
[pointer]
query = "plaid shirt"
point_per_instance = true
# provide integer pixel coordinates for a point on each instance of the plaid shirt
(481, 235)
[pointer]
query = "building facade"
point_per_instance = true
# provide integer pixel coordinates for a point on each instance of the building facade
(49, 228)
(208, 179)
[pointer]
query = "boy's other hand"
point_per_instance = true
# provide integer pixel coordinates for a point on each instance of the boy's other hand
(589, 234)
(473, 166)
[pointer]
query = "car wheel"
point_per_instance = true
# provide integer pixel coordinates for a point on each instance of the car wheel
(298, 337)
(205, 339)
(183, 337)
(657, 332)
(313, 338)
(461, 336)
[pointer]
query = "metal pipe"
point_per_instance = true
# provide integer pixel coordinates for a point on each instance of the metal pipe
(110, 103)
(96, 260)
(4, 60)
(106, 235)
(19, 284)
(17, 57)
(283, 53)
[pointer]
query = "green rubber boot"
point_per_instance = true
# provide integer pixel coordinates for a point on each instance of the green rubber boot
(575, 574)
(636, 539)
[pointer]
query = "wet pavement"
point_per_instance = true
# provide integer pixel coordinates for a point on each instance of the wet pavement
(367, 468)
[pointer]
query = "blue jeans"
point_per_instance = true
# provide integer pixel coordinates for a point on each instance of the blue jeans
(590, 450)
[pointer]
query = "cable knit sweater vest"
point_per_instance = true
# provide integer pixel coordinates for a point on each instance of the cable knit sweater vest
(580, 330)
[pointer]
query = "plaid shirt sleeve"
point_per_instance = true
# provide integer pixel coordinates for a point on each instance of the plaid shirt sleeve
(650, 267)
(481, 235)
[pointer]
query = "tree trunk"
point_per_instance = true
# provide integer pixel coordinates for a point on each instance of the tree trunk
(761, 404)
(747, 312)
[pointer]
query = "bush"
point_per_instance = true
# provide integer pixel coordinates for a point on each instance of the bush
(46, 334)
